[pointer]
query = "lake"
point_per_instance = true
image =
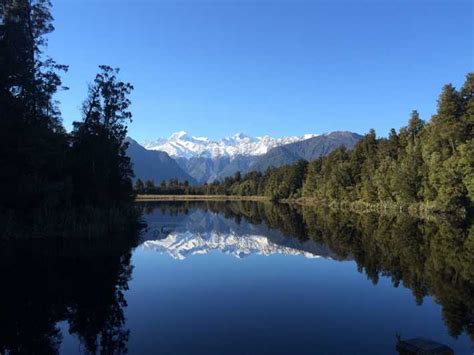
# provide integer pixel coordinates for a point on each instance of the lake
(243, 278)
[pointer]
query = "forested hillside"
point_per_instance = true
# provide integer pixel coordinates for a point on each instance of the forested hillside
(428, 165)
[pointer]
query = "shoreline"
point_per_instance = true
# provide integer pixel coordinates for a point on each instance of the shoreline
(151, 198)
(419, 210)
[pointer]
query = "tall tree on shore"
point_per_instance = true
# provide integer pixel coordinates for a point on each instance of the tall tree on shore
(466, 150)
(407, 181)
(139, 186)
(447, 131)
(32, 140)
(101, 170)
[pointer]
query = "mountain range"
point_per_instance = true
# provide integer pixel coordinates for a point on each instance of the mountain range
(155, 165)
(183, 145)
(199, 159)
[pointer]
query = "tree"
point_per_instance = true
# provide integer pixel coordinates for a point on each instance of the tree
(311, 183)
(393, 144)
(150, 187)
(368, 189)
(102, 172)
(446, 129)
(139, 186)
(467, 104)
(466, 169)
(33, 143)
(404, 182)
(237, 176)
(415, 126)
(27, 77)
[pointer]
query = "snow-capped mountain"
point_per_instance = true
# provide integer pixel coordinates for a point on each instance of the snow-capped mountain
(201, 159)
(205, 160)
(183, 145)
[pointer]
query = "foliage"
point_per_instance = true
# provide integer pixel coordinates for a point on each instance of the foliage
(103, 174)
(32, 140)
(45, 171)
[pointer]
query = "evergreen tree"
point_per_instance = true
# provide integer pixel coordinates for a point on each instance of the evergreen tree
(32, 140)
(407, 172)
(102, 172)
(413, 129)
(139, 186)
(150, 187)
(311, 180)
(393, 144)
(444, 134)
(237, 176)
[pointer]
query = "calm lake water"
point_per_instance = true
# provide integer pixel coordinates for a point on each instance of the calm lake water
(244, 278)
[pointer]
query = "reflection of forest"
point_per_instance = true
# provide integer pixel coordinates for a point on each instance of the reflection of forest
(82, 283)
(430, 257)
(77, 281)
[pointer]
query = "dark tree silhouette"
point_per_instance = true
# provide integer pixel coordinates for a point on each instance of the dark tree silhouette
(101, 170)
(32, 141)
(48, 178)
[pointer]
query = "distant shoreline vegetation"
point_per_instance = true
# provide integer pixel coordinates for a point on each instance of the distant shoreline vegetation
(419, 210)
(425, 167)
(149, 197)
(54, 183)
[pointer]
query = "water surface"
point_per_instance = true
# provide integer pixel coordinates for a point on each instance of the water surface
(246, 278)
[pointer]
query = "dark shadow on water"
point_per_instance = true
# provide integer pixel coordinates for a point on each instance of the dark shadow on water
(81, 282)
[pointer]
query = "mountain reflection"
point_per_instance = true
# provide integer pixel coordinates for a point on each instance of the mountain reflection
(430, 257)
(200, 231)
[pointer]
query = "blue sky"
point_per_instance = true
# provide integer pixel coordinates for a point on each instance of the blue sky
(214, 68)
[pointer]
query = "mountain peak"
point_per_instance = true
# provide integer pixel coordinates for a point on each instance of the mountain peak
(179, 135)
(240, 136)
(183, 145)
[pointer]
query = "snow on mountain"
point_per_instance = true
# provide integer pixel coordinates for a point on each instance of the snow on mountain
(183, 145)
(184, 244)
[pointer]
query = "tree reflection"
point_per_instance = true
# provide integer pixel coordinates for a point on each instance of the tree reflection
(429, 257)
(79, 282)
